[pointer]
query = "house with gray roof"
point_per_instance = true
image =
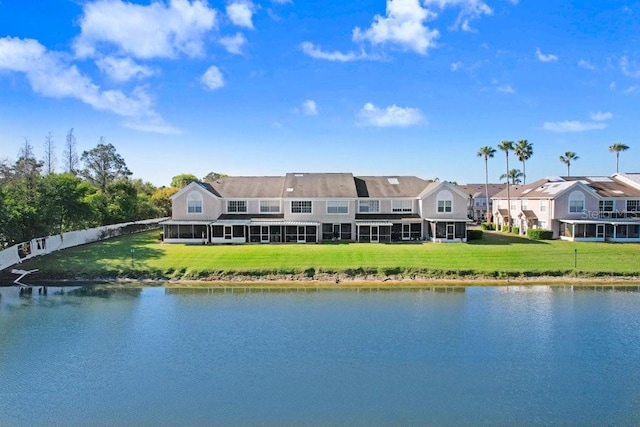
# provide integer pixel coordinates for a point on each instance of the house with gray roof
(478, 199)
(316, 207)
(583, 208)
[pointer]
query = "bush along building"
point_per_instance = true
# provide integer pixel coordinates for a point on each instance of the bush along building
(596, 208)
(317, 207)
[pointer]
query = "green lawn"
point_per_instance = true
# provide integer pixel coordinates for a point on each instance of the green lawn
(496, 255)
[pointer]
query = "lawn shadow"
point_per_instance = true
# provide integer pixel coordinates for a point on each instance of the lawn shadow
(491, 238)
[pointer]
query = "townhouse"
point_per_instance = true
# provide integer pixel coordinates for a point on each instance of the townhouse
(478, 199)
(598, 208)
(317, 207)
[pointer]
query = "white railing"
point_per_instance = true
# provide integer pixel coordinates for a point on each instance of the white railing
(46, 245)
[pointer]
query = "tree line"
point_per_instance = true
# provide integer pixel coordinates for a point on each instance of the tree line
(95, 188)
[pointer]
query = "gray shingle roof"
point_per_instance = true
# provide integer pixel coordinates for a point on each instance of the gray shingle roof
(249, 187)
(389, 186)
(320, 185)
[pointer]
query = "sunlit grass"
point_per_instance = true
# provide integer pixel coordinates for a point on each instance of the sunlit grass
(495, 255)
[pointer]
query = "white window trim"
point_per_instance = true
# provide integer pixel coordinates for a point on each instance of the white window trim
(246, 207)
(301, 201)
(269, 204)
(338, 204)
(444, 206)
(195, 196)
(402, 206)
(574, 201)
(368, 203)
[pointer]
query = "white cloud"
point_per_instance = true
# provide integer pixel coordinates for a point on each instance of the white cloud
(241, 13)
(403, 25)
(317, 53)
(50, 76)
(233, 44)
(370, 115)
(601, 116)
(505, 89)
(156, 30)
(545, 57)
(456, 66)
(626, 67)
(309, 108)
(471, 9)
(122, 69)
(573, 126)
(631, 89)
(212, 79)
(583, 63)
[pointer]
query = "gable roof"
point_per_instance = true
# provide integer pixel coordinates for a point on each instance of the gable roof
(606, 186)
(389, 186)
(318, 185)
(196, 185)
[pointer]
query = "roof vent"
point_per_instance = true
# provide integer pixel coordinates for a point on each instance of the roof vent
(289, 190)
(393, 181)
(298, 174)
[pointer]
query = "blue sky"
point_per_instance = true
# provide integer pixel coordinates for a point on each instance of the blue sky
(265, 87)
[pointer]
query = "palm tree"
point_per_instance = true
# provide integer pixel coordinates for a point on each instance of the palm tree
(514, 176)
(486, 152)
(523, 151)
(567, 158)
(617, 148)
(507, 146)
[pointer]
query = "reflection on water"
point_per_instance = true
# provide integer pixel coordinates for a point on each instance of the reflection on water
(522, 355)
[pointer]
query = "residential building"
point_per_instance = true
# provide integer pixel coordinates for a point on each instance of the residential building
(598, 208)
(478, 199)
(315, 207)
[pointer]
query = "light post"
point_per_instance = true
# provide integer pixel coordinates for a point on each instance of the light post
(132, 251)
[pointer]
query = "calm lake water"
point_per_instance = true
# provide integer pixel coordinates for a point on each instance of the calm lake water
(469, 356)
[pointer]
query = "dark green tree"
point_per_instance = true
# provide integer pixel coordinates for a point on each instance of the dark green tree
(103, 165)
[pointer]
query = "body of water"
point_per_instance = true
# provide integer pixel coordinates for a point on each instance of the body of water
(462, 356)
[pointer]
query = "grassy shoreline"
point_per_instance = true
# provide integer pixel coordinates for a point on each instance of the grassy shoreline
(497, 259)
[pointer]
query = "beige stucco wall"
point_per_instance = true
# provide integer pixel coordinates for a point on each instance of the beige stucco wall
(429, 204)
(211, 206)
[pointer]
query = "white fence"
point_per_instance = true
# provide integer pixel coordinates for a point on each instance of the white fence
(45, 245)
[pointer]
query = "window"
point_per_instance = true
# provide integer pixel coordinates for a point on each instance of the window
(543, 205)
(576, 202)
(444, 206)
(194, 202)
(633, 205)
(301, 206)
(445, 201)
(337, 207)
(525, 205)
(576, 206)
(369, 206)
(606, 205)
(402, 205)
(269, 206)
(513, 206)
(236, 206)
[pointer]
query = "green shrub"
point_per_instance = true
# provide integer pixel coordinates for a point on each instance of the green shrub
(488, 226)
(539, 234)
(515, 230)
(474, 234)
(505, 228)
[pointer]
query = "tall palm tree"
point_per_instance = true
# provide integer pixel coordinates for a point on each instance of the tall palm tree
(567, 158)
(617, 148)
(486, 152)
(523, 151)
(514, 176)
(507, 146)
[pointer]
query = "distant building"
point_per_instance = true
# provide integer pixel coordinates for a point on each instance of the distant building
(477, 205)
(583, 208)
(315, 207)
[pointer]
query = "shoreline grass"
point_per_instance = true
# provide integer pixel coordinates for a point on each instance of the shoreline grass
(497, 257)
